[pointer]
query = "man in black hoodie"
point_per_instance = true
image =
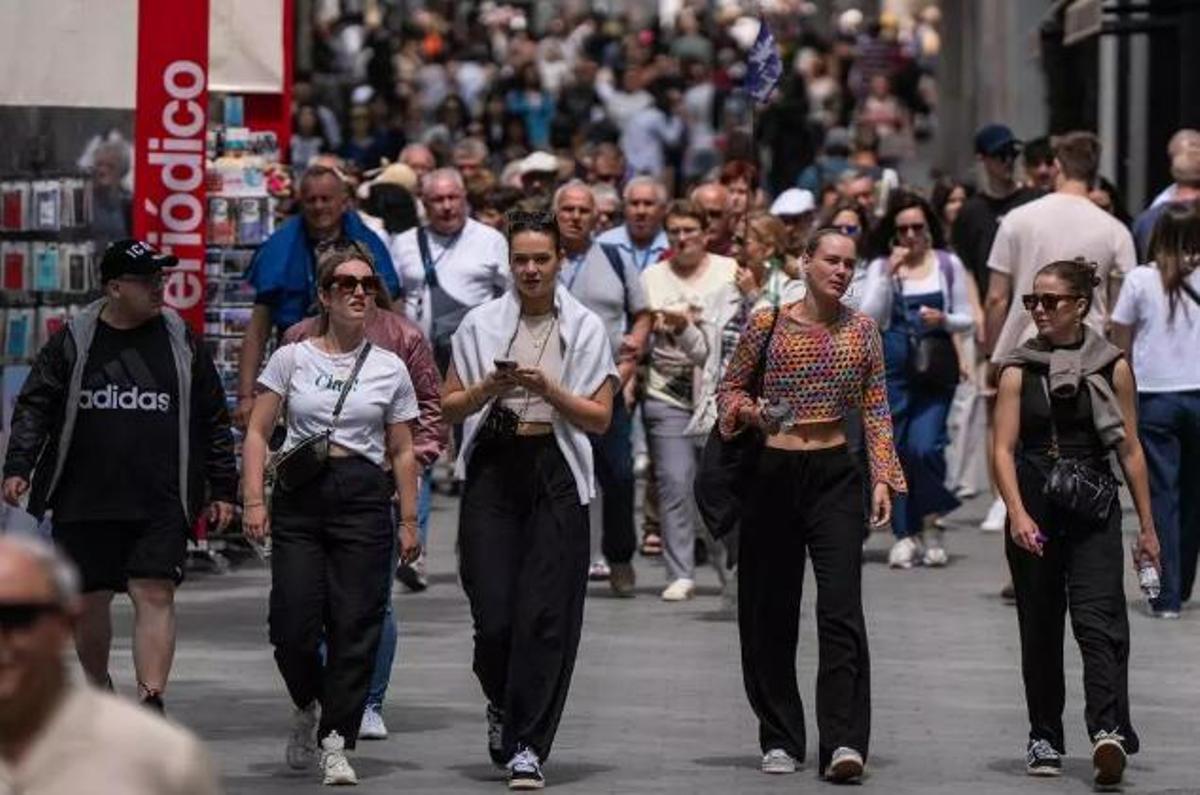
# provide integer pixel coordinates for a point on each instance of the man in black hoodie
(123, 432)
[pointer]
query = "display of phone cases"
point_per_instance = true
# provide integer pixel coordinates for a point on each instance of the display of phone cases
(49, 320)
(18, 334)
(75, 267)
(14, 200)
(46, 205)
(15, 255)
(45, 267)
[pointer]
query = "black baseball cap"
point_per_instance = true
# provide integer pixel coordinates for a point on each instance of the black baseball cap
(133, 258)
(996, 139)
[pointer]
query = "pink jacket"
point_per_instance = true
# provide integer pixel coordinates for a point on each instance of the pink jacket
(404, 338)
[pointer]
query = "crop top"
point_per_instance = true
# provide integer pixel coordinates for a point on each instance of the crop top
(821, 373)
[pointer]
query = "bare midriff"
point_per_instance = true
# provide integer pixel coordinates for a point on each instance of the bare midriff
(337, 451)
(817, 435)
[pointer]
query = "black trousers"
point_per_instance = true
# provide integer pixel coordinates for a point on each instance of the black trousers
(805, 503)
(614, 469)
(1082, 568)
(523, 557)
(331, 560)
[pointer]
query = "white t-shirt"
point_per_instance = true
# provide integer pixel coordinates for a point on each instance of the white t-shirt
(472, 267)
(1164, 350)
(1058, 226)
(310, 380)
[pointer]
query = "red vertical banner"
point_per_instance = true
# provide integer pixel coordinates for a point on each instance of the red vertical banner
(169, 128)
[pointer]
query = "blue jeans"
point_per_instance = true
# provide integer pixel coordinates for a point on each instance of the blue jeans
(919, 419)
(1169, 427)
(614, 469)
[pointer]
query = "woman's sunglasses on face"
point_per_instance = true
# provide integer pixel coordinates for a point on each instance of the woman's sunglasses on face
(904, 230)
(348, 284)
(1049, 301)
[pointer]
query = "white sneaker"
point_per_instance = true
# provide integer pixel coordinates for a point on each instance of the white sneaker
(335, 768)
(599, 571)
(904, 553)
(680, 590)
(845, 766)
(372, 726)
(935, 554)
(778, 762)
(302, 742)
(994, 521)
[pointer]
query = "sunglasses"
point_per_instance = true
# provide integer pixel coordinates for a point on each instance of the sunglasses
(348, 284)
(1049, 301)
(849, 230)
(23, 615)
(914, 229)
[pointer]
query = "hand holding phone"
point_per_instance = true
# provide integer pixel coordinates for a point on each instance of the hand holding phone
(505, 364)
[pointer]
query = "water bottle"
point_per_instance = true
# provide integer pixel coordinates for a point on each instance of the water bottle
(1148, 579)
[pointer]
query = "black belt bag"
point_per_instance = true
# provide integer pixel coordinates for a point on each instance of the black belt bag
(308, 459)
(1083, 491)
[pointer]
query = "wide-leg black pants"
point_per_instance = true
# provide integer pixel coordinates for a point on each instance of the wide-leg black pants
(1082, 568)
(524, 547)
(804, 503)
(331, 560)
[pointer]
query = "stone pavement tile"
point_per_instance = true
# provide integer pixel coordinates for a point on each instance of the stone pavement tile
(657, 705)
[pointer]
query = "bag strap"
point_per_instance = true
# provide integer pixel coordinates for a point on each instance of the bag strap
(613, 254)
(426, 258)
(760, 368)
(943, 262)
(1045, 382)
(358, 363)
(1187, 288)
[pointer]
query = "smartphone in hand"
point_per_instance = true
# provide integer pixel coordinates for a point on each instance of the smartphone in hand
(506, 365)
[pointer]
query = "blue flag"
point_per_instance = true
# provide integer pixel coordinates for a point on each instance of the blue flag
(763, 65)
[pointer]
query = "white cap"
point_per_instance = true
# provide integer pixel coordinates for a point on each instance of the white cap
(539, 163)
(794, 201)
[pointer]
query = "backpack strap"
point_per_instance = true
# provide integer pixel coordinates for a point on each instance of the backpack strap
(613, 255)
(947, 269)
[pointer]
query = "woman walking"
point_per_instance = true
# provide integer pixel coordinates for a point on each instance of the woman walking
(532, 376)
(695, 303)
(819, 360)
(331, 516)
(1157, 316)
(766, 275)
(1066, 400)
(918, 295)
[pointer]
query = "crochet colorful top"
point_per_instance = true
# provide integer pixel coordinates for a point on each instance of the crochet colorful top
(821, 372)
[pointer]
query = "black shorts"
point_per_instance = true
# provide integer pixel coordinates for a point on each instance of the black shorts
(111, 553)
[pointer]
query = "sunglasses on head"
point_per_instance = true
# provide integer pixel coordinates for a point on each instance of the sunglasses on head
(348, 284)
(23, 615)
(1049, 301)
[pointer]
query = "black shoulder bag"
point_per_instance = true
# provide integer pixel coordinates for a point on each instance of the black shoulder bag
(932, 357)
(445, 314)
(304, 462)
(726, 464)
(1085, 493)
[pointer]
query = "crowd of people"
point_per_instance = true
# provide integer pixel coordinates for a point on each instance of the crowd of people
(566, 264)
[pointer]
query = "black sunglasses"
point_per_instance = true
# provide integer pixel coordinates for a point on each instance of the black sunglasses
(916, 229)
(348, 284)
(1049, 301)
(23, 615)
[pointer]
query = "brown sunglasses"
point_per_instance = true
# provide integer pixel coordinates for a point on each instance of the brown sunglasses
(1049, 301)
(348, 284)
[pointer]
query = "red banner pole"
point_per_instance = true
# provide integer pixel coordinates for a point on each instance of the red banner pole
(169, 131)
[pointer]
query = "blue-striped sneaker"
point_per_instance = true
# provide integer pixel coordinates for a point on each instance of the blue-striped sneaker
(1042, 760)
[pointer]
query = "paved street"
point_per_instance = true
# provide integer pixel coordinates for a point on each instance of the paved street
(657, 702)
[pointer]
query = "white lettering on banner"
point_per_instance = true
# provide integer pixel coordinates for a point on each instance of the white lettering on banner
(178, 165)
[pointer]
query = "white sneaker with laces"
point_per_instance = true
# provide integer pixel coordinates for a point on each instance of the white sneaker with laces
(372, 726)
(335, 767)
(778, 762)
(302, 742)
(935, 554)
(679, 591)
(994, 521)
(599, 571)
(904, 553)
(845, 766)
(525, 771)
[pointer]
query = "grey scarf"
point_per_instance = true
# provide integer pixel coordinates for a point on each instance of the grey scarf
(1067, 369)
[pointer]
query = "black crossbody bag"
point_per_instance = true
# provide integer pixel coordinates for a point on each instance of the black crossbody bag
(726, 464)
(1084, 492)
(308, 459)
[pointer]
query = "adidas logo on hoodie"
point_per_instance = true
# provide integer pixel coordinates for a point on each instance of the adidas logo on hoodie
(111, 398)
